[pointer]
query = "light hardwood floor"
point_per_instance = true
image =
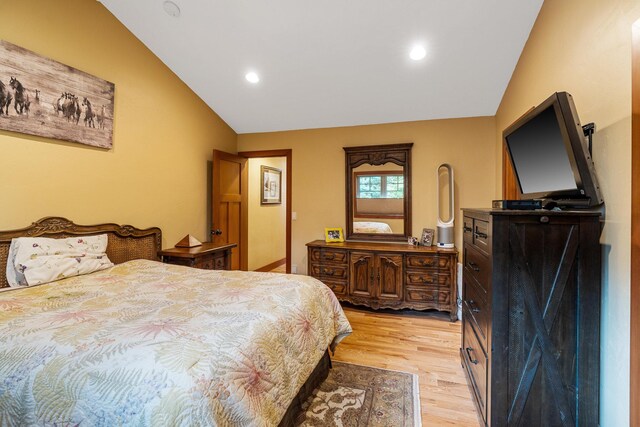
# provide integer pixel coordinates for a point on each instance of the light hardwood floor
(426, 344)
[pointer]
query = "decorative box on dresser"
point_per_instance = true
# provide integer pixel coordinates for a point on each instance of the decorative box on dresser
(387, 275)
(208, 256)
(531, 316)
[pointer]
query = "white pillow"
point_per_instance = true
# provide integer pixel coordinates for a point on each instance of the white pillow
(36, 260)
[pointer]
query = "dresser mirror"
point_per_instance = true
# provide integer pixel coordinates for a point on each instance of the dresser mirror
(378, 192)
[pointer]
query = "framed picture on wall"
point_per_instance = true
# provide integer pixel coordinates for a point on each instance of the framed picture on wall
(271, 185)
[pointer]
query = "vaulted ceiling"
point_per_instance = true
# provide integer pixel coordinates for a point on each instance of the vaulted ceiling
(336, 62)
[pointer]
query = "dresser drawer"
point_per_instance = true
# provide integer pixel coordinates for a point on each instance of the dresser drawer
(328, 255)
(475, 360)
(428, 278)
(338, 287)
(481, 236)
(477, 266)
(477, 307)
(206, 263)
(427, 261)
(326, 271)
(467, 230)
(436, 296)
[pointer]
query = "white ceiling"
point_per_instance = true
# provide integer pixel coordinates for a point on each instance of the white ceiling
(327, 63)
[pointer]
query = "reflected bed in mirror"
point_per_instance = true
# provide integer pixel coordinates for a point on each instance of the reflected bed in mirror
(378, 188)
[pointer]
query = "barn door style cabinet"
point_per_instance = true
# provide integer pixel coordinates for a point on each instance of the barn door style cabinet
(531, 316)
(387, 275)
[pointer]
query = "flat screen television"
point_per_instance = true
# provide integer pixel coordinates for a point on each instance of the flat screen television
(550, 156)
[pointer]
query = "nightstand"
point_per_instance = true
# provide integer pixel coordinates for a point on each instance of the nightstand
(209, 256)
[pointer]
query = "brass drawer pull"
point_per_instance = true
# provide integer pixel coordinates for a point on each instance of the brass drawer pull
(329, 271)
(329, 257)
(469, 350)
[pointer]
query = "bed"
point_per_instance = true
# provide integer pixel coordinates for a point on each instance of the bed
(147, 343)
(371, 227)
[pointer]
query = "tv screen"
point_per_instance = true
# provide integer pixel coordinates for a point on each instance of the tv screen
(540, 157)
(549, 154)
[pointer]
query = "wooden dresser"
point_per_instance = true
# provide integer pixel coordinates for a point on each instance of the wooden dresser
(387, 275)
(208, 256)
(531, 316)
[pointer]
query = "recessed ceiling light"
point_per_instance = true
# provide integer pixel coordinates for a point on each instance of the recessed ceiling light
(417, 53)
(171, 8)
(252, 77)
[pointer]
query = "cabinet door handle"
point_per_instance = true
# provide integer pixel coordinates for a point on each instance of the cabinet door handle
(372, 276)
(481, 235)
(472, 265)
(472, 360)
(472, 305)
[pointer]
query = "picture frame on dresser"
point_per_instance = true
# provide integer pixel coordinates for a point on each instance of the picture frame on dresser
(333, 235)
(427, 236)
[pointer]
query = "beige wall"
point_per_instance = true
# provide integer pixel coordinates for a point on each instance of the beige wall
(584, 47)
(318, 170)
(267, 223)
(156, 173)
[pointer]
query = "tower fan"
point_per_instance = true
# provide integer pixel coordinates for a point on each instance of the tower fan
(445, 226)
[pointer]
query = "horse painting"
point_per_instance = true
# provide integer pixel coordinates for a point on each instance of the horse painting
(51, 99)
(88, 113)
(5, 99)
(21, 97)
(101, 116)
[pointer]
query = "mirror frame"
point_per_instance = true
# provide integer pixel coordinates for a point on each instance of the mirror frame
(399, 154)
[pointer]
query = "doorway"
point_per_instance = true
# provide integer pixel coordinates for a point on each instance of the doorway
(269, 221)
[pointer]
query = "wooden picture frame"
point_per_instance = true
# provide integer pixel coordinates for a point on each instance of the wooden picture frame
(427, 236)
(333, 235)
(270, 185)
(43, 97)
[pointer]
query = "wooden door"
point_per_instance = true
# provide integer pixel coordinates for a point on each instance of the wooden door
(361, 274)
(229, 205)
(389, 276)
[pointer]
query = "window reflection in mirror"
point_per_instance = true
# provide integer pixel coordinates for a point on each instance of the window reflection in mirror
(378, 202)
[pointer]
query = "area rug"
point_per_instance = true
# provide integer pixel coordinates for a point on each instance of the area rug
(359, 396)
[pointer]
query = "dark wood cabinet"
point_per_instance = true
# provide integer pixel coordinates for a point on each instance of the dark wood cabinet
(531, 316)
(208, 256)
(387, 275)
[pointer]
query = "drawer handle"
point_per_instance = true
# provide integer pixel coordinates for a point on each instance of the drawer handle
(467, 229)
(426, 279)
(472, 265)
(329, 272)
(472, 360)
(472, 305)
(481, 235)
(329, 257)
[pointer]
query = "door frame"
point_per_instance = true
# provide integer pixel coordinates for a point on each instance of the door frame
(634, 392)
(279, 153)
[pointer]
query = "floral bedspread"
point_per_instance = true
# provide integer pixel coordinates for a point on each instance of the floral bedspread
(151, 344)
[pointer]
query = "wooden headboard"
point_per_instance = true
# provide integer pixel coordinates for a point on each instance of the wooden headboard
(126, 242)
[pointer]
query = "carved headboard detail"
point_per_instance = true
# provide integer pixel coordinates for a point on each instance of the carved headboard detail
(126, 242)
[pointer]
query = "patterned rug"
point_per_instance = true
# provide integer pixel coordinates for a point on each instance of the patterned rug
(359, 396)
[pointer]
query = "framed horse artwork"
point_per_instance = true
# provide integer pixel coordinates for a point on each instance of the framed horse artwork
(42, 97)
